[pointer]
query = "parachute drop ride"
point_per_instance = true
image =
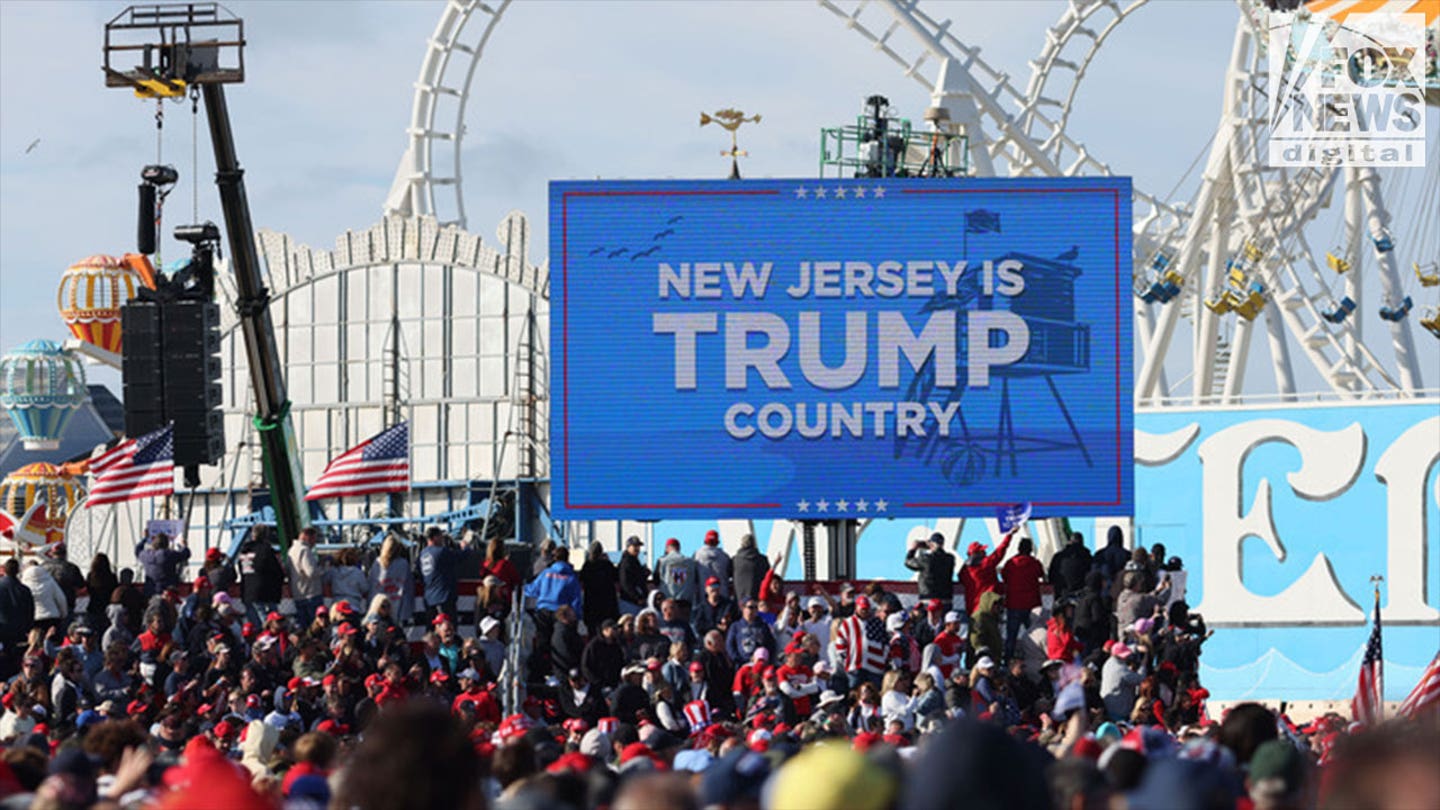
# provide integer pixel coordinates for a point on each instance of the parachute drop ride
(41, 387)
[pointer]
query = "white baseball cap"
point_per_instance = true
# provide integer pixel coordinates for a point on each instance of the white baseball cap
(952, 616)
(985, 662)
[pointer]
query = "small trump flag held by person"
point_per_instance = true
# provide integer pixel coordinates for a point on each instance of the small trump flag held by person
(379, 464)
(1011, 517)
(1368, 707)
(143, 467)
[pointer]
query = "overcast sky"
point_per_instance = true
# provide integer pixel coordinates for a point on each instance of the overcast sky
(566, 89)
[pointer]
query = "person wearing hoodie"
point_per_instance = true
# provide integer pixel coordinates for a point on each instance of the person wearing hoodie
(749, 567)
(557, 584)
(679, 577)
(257, 748)
(50, 605)
(1069, 566)
(1111, 559)
(714, 562)
(598, 581)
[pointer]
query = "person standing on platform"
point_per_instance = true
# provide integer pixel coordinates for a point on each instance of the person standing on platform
(162, 564)
(497, 564)
(679, 577)
(714, 562)
(634, 578)
(978, 575)
(262, 576)
(1069, 566)
(389, 575)
(557, 585)
(307, 575)
(599, 580)
(749, 567)
(936, 567)
(1023, 575)
(440, 570)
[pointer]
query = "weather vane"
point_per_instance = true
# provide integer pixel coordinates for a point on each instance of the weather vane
(730, 119)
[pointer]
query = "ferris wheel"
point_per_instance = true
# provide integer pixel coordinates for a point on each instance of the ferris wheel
(1306, 254)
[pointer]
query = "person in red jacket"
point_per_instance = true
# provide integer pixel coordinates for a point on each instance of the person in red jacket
(977, 575)
(1023, 575)
(1060, 641)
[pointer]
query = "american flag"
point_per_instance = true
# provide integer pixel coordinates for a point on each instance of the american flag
(143, 467)
(1368, 706)
(1425, 697)
(381, 463)
(860, 644)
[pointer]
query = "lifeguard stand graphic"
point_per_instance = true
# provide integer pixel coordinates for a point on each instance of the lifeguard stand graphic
(1059, 344)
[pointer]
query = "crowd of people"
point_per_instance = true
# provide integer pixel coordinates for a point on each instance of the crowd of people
(304, 679)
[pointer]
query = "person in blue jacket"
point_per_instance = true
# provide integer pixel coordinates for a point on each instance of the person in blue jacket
(557, 585)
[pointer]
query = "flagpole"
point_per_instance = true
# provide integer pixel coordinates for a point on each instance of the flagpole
(1376, 579)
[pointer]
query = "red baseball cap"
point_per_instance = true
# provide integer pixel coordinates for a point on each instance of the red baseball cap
(712, 582)
(672, 542)
(202, 581)
(712, 537)
(696, 666)
(932, 604)
(862, 602)
(441, 618)
(274, 616)
(573, 761)
(322, 611)
(635, 750)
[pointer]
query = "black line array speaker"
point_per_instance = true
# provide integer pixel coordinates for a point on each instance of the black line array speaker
(171, 373)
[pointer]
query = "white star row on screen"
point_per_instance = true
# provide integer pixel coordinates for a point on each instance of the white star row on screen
(838, 192)
(842, 505)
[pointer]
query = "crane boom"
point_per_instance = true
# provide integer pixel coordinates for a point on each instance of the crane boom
(182, 47)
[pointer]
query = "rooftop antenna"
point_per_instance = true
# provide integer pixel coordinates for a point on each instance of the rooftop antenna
(730, 119)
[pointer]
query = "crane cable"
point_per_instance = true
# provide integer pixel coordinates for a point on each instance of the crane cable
(194, 153)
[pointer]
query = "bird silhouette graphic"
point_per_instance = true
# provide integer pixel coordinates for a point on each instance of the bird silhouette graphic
(612, 254)
(1070, 255)
(661, 235)
(597, 251)
(674, 219)
(647, 252)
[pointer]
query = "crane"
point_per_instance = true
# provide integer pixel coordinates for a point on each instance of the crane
(198, 48)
